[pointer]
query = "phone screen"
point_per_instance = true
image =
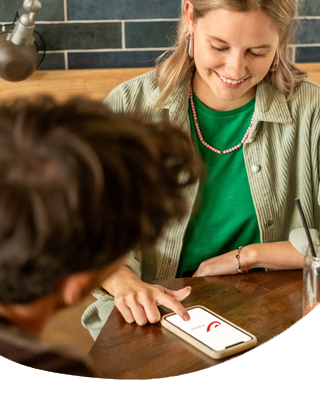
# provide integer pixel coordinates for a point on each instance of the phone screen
(209, 329)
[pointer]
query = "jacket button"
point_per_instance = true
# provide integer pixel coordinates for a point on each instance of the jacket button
(269, 223)
(256, 168)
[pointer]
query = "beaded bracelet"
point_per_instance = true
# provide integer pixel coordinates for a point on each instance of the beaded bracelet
(238, 260)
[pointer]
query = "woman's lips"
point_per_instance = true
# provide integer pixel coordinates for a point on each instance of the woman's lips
(230, 85)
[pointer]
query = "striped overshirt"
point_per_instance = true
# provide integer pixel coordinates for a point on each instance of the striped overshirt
(282, 162)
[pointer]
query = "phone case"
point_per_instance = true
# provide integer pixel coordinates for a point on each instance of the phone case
(203, 347)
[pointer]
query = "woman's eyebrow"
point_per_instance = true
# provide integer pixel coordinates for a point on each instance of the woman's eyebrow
(225, 42)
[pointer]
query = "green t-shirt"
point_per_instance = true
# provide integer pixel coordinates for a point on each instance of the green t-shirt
(224, 217)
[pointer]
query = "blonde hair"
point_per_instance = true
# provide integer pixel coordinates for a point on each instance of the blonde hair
(171, 71)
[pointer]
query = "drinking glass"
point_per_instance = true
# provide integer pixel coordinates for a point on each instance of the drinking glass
(311, 280)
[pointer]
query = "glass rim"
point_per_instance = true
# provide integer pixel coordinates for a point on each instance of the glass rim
(309, 254)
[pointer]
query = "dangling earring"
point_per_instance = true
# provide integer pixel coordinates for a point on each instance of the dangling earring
(273, 69)
(189, 36)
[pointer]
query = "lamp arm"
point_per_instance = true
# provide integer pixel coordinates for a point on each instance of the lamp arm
(23, 32)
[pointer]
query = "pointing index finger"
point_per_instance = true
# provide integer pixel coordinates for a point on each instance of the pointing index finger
(173, 304)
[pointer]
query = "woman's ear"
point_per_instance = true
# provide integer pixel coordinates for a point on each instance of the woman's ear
(188, 10)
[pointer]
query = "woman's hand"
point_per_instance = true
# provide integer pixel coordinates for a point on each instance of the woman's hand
(138, 301)
(275, 255)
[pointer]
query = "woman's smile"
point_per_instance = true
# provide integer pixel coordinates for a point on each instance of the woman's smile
(231, 83)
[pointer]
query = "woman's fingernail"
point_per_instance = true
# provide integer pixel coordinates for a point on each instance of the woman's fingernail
(186, 317)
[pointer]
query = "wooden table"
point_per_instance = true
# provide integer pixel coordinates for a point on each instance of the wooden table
(263, 303)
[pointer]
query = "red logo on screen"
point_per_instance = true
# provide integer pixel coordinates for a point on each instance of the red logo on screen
(215, 324)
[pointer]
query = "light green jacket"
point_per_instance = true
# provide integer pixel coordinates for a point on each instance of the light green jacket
(282, 161)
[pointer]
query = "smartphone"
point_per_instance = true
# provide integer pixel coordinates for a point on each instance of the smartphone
(209, 332)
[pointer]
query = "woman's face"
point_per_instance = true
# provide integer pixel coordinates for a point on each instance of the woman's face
(233, 51)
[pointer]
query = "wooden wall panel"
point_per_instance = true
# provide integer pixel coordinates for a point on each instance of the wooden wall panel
(95, 84)
(62, 84)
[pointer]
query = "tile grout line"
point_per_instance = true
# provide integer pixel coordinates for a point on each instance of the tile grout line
(126, 20)
(57, 22)
(293, 54)
(44, 22)
(307, 17)
(65, 10)
(66, 60)
(104, 50)
(293, 46)
(123, 36)
(304, 45)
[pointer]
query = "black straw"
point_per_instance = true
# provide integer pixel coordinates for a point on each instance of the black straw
(305, 226)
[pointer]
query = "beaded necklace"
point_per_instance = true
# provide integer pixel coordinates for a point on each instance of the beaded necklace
(195, 119)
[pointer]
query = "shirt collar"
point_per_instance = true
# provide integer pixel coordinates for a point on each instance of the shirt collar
(271, 105)
(178, 102)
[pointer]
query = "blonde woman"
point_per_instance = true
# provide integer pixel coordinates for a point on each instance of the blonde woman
(255, 120)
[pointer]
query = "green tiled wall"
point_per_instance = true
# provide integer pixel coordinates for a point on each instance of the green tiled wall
(121, 33)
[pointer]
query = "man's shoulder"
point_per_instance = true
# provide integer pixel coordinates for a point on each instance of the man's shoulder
(26, 349)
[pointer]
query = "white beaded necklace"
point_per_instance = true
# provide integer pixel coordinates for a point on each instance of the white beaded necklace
(195, 119)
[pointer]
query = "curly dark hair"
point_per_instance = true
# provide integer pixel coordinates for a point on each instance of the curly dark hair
(79, 187)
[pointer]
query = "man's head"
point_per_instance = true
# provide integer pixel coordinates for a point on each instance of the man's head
(79, 187)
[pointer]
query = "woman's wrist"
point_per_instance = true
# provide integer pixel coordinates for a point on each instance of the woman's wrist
(110, 284)
(248, 257)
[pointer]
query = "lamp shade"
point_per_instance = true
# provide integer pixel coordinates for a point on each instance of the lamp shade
(17, 62)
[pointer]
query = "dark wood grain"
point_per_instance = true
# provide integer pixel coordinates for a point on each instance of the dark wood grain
(264, 303)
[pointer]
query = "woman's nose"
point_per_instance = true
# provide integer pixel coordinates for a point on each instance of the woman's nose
(235, 66)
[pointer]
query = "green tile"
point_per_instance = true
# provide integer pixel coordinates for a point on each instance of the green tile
(308, 55)
(123, 9)
(112, 59)
(76, 36)
(53, 61)
(308, 31)
(150, 34)
(52, 10)
(309, 8)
